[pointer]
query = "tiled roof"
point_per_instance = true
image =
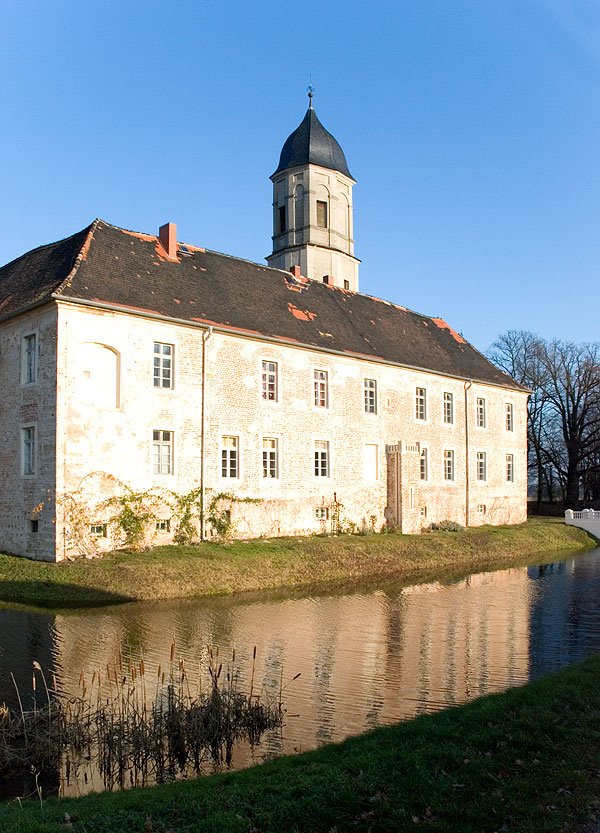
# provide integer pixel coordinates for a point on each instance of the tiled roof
(104, 264)
(311, 143)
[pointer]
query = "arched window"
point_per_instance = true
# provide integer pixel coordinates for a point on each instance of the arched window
(322, 207)
(299, 207)
(99, 375)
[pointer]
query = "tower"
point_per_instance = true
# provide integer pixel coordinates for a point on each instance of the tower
(312, 207)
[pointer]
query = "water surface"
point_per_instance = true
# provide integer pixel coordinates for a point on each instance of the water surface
(365, 659)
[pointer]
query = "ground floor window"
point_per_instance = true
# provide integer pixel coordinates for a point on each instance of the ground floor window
(162, 452)
(321, 458)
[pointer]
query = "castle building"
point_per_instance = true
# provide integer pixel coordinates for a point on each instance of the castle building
(135, 361)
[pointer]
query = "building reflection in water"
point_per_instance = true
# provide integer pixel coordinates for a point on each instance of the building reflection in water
(364, 659)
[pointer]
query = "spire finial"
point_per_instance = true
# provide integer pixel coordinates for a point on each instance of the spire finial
(311, 91)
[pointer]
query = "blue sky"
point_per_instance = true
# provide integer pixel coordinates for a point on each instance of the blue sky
(472, 129)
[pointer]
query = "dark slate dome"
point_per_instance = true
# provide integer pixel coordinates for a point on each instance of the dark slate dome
(311, 143)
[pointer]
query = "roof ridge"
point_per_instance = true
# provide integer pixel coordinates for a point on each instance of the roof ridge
(81, 256)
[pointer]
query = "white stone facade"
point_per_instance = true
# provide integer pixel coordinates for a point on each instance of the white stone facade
(95, 407)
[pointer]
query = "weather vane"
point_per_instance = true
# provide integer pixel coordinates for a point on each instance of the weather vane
(311, 91)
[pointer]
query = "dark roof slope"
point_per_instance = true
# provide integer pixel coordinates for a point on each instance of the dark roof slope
(311, 143)
(34, 276)
(104, 264)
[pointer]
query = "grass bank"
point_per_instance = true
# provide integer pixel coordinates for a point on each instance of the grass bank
(526, 760)
(281, 563)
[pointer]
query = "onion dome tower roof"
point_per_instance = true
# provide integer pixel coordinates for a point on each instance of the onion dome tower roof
(310, 143)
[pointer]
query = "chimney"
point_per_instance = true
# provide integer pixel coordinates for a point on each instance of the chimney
(167, 235)
(296, 272)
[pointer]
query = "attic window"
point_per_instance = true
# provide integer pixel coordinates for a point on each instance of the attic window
(346, 284)
(321, 214)
(282, 219)
(325, 278)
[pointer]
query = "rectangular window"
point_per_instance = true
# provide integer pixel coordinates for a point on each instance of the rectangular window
(163, 525)
(28, 450)
(449, 408)
(346, 284)
(371, 463)
(29, 359)
(509, 417)
(269, 381)
(162, 452)
(230, 464)
(448, 465)
(270, 458)
(322, 513)
(282, 220)
(321, 214)
(163, 365)
(370, 396)
(99, 530)
(481, 509)
(481, 465)
(481, 419)
(34, 525)
(510, 468)
(423, 511)
(321, 458)
(424, 464)
(421, 403)
(321, 387)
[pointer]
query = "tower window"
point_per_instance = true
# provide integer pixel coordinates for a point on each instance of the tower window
(321, 214)
(346, 284)
(282, 219)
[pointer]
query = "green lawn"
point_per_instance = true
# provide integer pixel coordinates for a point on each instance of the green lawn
(281, 563)
(526, 761)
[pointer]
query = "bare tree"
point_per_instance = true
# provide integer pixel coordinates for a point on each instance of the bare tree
(564, 409)
(517, 352)
(572, 387)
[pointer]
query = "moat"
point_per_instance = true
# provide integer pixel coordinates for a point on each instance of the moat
(364, 659)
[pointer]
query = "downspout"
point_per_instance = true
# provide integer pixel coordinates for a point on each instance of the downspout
(467, 386)
(205, 336)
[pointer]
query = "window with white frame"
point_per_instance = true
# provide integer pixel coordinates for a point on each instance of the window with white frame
(163, 365)
(322, 513)
(321, 388)
(448, 408)
(421, 403)
(509, 417)
(270, 457)
(481, 465)
(481, 416)
(162, 452)
(371, 462)
(29, 359)
(424, 463)
(163, 525)
(423, 511)
(481, 509)
(269, 381)
(230, 462)
(99, 530)
(510, 468)
(448, 464)
(28, 450)
(370, 396)
(321, 458)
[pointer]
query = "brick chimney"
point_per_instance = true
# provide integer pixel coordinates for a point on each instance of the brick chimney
(296, 271)
(167, 235)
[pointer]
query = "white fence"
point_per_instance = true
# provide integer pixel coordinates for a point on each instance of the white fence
(587, 519)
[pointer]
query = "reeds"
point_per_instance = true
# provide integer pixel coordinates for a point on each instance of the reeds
(134, 730)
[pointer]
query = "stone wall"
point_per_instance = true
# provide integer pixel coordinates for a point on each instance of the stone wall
(108, 409)
(27, 512)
